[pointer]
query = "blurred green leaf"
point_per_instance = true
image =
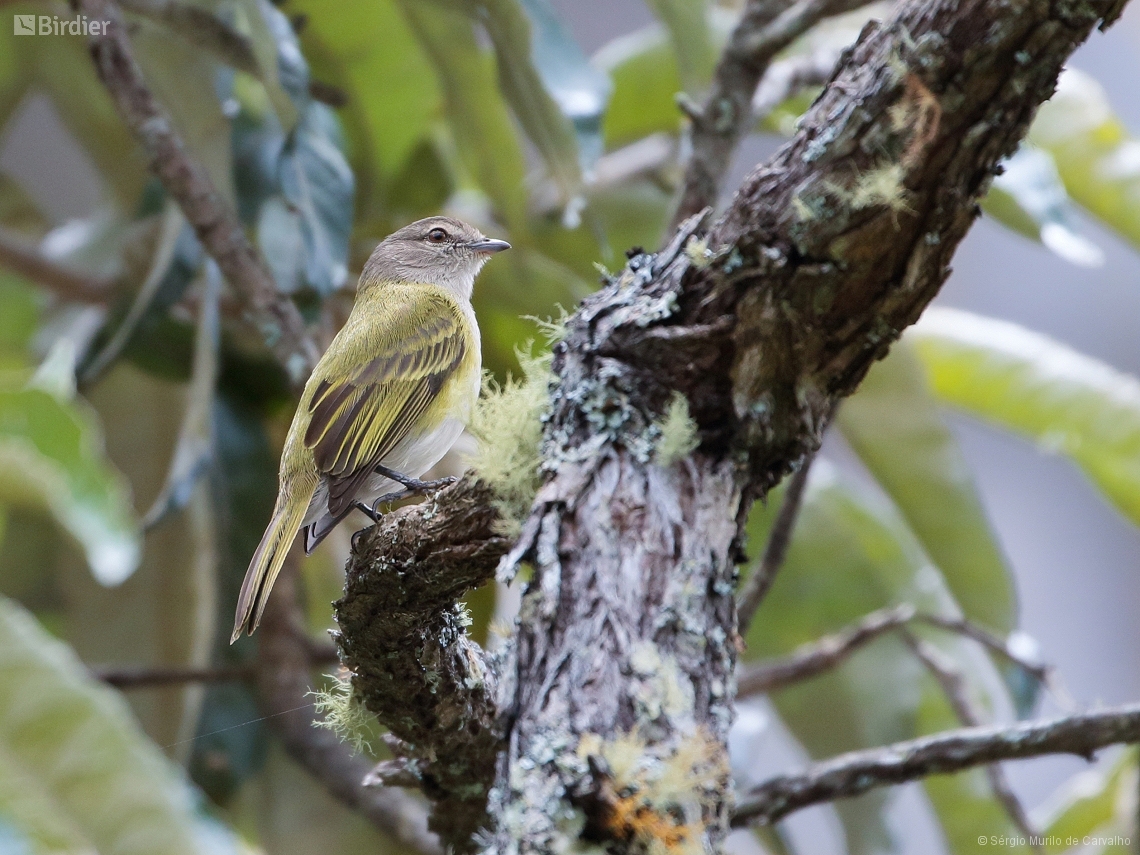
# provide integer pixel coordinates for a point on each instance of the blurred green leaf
(51, 455)
(1096, 802)
(646, 80)
(282, 67)
(579, 90)
(691, 37)
(317, 185)
(193, 451)
(1098, 159)
(1030, 198)
(851, 553)
(76, 768)
(19, 314)
(365, 48)
(1068, 402)
(18, 212)
(478, 118)
(544, 76)
(893, 424)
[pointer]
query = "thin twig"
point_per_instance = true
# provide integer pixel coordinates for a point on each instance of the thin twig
(19, 257)
(187, 181)
(953, 682)
(760, 582)
(819, 656)
(764, 29)
(857, 772)
(151, 676)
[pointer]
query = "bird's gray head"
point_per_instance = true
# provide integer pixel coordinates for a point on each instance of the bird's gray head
(438, 250)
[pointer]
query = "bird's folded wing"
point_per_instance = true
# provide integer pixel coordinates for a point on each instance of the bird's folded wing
(358, 418)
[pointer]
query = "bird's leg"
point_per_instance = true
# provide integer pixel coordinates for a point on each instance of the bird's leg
(368, 511)
(414, 486)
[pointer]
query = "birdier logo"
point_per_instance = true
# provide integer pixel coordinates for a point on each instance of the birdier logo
(53, 25)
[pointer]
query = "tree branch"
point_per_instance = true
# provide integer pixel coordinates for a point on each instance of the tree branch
(818, 657)
(403, 635)
(20, 258)
(187, 181)
(283, 664)
(765, 28)
(760, 582)
(859, 771)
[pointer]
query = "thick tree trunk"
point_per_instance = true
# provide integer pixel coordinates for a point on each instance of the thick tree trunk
(615, 698)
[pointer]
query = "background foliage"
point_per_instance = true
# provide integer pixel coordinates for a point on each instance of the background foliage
(140, 425)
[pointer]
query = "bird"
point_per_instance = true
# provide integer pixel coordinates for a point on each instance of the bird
(386, 401)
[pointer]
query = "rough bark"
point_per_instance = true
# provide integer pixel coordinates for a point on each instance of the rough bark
(617, 694)
(402, 634)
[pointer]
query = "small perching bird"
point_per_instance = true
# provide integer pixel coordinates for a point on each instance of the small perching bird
(387, 400)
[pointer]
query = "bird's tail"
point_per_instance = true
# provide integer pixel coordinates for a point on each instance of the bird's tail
(267, 560)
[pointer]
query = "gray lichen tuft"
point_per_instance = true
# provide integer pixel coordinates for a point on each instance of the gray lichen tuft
(507, 423)
(339, 710)
(678, 432)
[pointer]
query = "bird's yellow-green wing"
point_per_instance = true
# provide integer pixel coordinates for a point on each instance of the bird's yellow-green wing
(394, 366)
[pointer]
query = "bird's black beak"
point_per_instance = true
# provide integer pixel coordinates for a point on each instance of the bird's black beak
(488, 245)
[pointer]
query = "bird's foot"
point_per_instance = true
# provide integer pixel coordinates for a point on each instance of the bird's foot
(412, 486)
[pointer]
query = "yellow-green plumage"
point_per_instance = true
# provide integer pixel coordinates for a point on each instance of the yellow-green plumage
(394, 388)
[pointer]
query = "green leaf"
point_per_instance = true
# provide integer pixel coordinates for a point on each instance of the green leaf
(281, 66)
(1030, 198)
(546, 81)
(365, 48)
(75, 767)
(19, 315)
(1098, 159)
(484, 135)
(893, 424)
(1067, 402)
(317, 184)
(689, 32)
(579, 90)
(51, 456)
(1096, 802)
(646, 80)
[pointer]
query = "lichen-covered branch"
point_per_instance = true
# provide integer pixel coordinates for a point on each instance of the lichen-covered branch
(188, 183)
(403, 636)
(284, 663)
(851, 774)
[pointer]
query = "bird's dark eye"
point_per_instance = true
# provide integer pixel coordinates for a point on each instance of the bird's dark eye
(437, 235)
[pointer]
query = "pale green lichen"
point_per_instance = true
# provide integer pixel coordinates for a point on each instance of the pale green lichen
(507, 423)
(678, 435)
(339, 710)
